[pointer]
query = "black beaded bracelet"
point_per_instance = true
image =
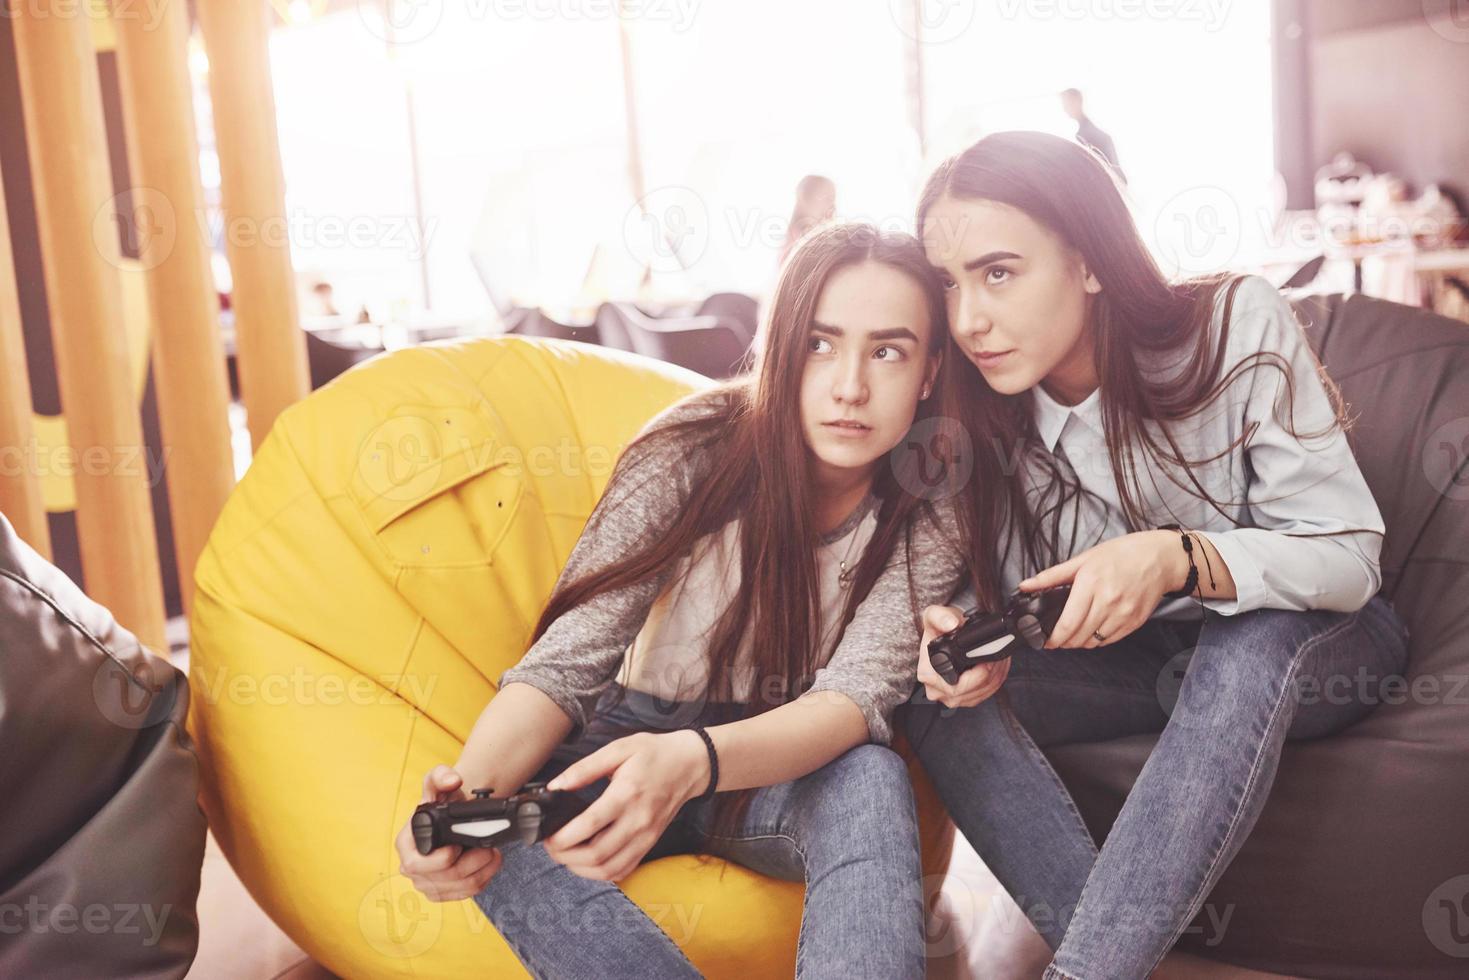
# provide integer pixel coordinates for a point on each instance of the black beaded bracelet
(708, 794)
(1192, 581)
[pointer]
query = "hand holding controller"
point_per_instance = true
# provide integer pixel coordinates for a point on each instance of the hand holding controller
(983, 637)
(529, 816)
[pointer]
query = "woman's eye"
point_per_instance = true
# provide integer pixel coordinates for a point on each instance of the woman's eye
(996, 275)
(817, 343)
(948, 283)
(896, 353)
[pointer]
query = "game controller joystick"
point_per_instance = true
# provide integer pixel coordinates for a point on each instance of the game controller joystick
(983, 637)
(529, 816)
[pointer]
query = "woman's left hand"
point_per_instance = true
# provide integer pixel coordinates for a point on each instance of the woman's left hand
(652, 776)
(1115, 587)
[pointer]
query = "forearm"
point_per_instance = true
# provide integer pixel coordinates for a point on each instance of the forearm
(787, 742)
(512, 738)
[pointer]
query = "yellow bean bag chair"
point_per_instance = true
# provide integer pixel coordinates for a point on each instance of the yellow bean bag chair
(381, 563)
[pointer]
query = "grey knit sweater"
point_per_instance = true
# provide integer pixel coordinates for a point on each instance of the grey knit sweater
(873, 663)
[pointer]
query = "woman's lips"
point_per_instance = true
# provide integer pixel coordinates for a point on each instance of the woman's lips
(848, 430)
(992, 360)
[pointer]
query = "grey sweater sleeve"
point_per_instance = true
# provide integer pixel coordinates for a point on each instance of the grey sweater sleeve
(875, 663)
(575, 659)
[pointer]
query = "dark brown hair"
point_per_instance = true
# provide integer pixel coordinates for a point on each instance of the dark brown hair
(759, 475)
(1138, 313)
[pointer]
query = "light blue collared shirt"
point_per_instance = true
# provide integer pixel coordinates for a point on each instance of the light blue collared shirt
(1279, 487)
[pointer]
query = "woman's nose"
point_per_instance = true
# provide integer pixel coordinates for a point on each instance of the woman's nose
(850, 383)
(973, 320)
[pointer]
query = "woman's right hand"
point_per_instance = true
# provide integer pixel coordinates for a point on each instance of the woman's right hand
(450, 873)
(976, 685)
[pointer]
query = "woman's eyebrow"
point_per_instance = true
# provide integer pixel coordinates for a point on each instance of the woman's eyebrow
(891, 333)
(988, 258)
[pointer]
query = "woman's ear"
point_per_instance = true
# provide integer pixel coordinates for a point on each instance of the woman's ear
(1089, 282)
(931, 373)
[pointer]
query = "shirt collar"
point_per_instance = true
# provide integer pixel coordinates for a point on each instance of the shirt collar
(1050, 415)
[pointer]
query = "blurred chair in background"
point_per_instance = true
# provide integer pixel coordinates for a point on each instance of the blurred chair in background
(734, 306)
(714, 346)
(526, 322)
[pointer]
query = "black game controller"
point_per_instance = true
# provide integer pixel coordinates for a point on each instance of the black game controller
(1028, 617)
(531, 815)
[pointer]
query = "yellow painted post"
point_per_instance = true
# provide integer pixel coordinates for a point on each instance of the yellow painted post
(62, 105)
(188, 353)
(270, 345)
(20, 482)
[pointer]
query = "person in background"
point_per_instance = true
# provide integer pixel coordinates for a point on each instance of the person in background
(1088, 133)
(322, 300)
(816, 203)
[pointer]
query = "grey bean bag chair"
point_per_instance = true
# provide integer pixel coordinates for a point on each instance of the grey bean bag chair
(101, 838)
(1359, 866)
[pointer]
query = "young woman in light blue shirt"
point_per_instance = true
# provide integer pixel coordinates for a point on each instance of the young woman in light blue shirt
(1174, 453)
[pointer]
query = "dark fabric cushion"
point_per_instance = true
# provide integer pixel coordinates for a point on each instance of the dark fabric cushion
(1359, 866)
(101, 837)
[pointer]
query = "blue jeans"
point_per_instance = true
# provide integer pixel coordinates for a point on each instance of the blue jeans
(849, 830)
(1224, 697)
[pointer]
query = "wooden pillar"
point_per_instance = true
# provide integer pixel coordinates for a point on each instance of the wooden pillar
(188, 354)
(21, 499)
(1290, 64)
(912, 37)
(270, 345)
(62, 105)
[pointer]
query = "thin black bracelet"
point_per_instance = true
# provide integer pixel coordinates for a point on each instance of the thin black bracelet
(1192, 582)
(708, 794)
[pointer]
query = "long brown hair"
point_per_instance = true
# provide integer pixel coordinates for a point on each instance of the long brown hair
(760, 476)
(1137, 314)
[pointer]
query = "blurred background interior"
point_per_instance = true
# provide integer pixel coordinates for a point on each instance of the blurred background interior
(448, 169)
(345, 177)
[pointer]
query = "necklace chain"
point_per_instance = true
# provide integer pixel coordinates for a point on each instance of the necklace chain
(846, 572)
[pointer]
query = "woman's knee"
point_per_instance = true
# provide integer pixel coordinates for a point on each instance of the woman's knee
(857, 808)
(871, 762)
(863, 782)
